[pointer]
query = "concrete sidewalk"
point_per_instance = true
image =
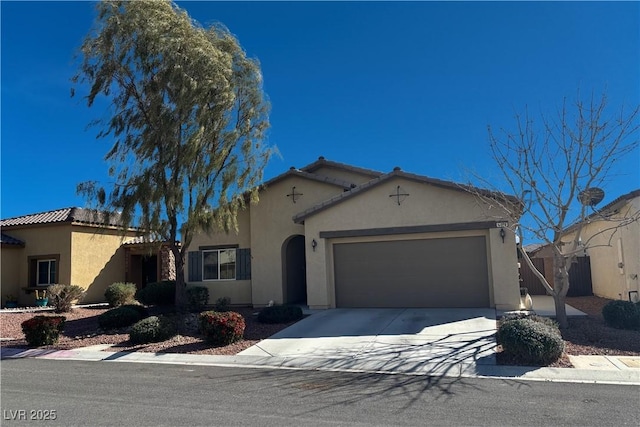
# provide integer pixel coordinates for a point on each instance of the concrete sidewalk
(620, 370)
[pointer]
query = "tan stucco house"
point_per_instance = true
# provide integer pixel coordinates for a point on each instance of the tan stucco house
(73, 246)
(612, 238)
(334, 235)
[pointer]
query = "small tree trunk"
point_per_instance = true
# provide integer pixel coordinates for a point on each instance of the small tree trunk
(561, 287)
(181, 289)
(561, 312)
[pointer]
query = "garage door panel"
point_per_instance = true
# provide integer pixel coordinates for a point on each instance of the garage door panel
(448, 272)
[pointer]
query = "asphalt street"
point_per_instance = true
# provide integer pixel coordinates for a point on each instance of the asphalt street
(108, 394)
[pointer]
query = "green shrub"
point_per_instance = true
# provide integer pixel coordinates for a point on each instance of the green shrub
(158, 293)
(280, 314)
(622, 315)
(221, 328)
(530, 342)
(43, 330)
(223, 304)
(140, 309)
(197, 297)
(152, 329)
(62, 296)
(536, 318)
(119, 317)
(119, 294)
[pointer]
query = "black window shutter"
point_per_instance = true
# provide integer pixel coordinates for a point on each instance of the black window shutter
(243, 264)
(195, 266)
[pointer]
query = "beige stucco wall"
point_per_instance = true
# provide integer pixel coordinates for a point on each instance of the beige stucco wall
(239, 291)
(97, 260)
(41, 240)
(272, 225)
(607, 248)
(425, 205)
(89, 257)
(11, 257)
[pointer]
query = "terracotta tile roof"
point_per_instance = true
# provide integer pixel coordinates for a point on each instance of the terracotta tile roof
(140, 240)
(71, 215)
(8, 240)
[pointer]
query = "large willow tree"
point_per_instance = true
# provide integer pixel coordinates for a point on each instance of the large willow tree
(187, 121)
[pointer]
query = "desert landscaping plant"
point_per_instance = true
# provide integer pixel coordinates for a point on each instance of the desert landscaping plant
(221, 328)
(119, 317)
(197, 298)
(158, 293)
(530, 342)
(43, 330)
(118, 294)
(139, 308)
(536, 318)
(622, 315)
(61, 297)
(280, 314)
(223, 304)
(152, 329)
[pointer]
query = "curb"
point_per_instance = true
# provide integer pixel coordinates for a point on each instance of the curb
(452, 370)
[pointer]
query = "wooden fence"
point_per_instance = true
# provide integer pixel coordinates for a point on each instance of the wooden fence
(579, 276)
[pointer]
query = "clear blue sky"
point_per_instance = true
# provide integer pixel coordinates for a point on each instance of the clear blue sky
(372, 84)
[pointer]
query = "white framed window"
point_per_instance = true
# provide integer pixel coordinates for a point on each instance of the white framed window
(46, 272)
(219, 264)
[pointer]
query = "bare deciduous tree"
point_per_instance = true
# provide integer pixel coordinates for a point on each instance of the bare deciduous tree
(557, 166)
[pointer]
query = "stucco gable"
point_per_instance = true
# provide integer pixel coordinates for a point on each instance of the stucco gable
(396, 173)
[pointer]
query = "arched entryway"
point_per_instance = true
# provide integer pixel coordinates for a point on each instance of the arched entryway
(294, 272)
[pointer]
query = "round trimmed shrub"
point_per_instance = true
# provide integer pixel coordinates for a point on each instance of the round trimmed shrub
(221, 328)
(119, 317)
(280, 314)
(622, 315)
(223, 304)
(197, 297)
(141, 309)
(158, 293)
(118, 294)
(43, 330)
(536, 318)
(152, 329)
(530, 342)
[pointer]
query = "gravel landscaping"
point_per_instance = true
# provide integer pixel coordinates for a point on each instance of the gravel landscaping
(586, 336)
(589, 335)
(82, 330)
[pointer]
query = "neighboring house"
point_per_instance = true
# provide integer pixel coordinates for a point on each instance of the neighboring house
(542, 257)
(612, 239)
(333, 235)
(69, 246)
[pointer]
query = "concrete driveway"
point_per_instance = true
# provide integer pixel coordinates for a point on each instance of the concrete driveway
(388, 338)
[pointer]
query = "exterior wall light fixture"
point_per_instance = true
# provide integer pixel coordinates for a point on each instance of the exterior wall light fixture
(502, 234)
(314, 244)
